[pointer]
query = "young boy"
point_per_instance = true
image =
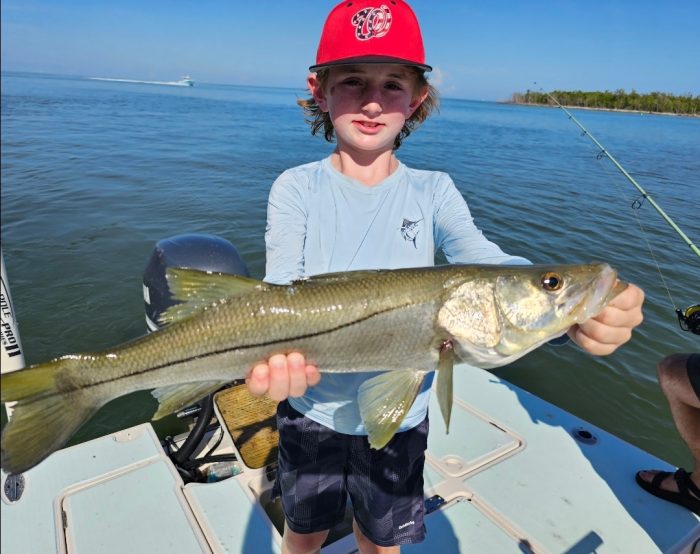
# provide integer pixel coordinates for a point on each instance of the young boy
(361, 208)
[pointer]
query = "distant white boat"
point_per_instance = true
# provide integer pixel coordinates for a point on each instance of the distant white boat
(184, 81)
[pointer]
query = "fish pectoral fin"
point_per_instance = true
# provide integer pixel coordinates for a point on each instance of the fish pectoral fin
(196, 289)
(175, 397)
(444, 383)
(384, 401)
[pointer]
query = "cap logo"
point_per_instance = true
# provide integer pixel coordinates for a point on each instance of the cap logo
(372, 22)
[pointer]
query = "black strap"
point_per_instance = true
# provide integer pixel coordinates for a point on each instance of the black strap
(685, 484)
(658, 478)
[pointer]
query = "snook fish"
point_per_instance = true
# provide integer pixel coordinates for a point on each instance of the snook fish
(406, 321)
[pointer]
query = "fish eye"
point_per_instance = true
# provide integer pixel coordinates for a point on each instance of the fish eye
(551, 281)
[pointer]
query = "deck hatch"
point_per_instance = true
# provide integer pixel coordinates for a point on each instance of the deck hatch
(473, 441)
(136, 496)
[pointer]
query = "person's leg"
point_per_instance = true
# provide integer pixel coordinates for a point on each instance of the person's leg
(675, 379)
(679, 378)
(386, 488)
(298, 543)
(366, 546)
(310, 480)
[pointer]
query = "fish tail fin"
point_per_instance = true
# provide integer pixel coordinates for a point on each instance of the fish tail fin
(28, 382)
(44, 417)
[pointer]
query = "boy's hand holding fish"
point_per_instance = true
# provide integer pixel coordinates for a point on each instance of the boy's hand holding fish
(603, 334)
(283, 376)
(290, 375)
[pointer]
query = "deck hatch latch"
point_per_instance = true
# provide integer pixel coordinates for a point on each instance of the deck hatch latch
(433, 503)
(583, 435)
(14, 487)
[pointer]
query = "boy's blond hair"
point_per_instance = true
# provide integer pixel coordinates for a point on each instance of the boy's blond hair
(320, 120)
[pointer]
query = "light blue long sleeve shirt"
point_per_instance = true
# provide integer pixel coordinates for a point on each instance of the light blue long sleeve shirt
(320, 221)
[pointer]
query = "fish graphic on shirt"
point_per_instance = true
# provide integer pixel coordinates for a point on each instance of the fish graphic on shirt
(410, 230)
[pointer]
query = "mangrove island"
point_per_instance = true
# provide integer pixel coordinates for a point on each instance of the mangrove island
(619, 100)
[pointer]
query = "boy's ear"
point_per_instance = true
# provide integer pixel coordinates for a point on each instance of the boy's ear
(316, 91)
(418, 99)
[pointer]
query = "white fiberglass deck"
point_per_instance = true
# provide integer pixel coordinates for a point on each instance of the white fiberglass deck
(513, 477)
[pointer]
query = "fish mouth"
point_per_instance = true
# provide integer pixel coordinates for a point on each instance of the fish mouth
(604, 286)
(616, 290)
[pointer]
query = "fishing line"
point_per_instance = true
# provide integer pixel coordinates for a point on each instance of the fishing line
(687, 319)
(644, 195)
(636, 206)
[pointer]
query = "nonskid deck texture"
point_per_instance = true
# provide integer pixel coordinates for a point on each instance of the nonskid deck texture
(512, 475)
(118, 493)
(557, 493)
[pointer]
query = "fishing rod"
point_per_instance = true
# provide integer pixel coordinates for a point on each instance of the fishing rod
(644, 194)
(688, 319)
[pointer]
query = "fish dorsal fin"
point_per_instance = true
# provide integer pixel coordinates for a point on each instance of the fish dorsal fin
(175, 397)
(338, 277)
(385, 400)
(197, 289)
(444, 382)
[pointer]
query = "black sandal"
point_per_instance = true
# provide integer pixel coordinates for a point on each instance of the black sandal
(688, 494)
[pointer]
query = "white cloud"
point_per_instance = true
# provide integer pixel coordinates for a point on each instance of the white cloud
(436, 77)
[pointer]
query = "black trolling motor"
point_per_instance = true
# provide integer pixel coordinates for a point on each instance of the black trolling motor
(206, 253)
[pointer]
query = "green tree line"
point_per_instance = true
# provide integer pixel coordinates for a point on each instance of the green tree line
(653, 102)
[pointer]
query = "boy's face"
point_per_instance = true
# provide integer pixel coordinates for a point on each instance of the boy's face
(368, 103)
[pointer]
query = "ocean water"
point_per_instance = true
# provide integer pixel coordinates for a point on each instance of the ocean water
(94, 173)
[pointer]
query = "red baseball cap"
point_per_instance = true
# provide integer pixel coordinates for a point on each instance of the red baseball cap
(371, 31)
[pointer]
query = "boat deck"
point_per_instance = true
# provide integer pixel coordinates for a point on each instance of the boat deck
(515, 474)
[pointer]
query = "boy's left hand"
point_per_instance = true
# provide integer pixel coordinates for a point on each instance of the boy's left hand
(602, 334)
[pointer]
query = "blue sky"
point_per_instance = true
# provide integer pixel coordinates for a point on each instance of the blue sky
(480, 50)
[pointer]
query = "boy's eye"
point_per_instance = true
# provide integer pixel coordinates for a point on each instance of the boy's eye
(394, 86)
